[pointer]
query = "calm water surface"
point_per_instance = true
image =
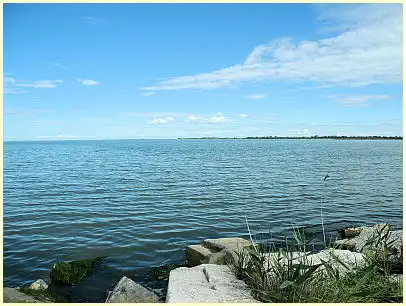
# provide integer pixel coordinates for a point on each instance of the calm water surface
(140, 202)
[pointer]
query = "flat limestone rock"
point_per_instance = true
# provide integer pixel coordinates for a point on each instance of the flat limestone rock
(197, 254)
(128, 291)
(217, 245)
(207, 283)
(13, 295)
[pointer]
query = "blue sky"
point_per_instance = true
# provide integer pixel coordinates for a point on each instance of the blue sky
(105, 71)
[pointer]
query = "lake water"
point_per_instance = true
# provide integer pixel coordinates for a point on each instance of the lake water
(140, 202)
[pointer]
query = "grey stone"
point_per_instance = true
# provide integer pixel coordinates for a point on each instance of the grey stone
(218, 258)
(197, 254)
(342, 260)
(13, 295)
(214, 251)
(396, 278)
(39, 284)
(207, 283)
(128, 291)
(360, 243)
(350, 232)
(217, 245)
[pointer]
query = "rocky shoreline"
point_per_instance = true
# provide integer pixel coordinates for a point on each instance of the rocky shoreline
(208, 277)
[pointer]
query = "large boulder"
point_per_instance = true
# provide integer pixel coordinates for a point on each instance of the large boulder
(207, 283)
(128, 291)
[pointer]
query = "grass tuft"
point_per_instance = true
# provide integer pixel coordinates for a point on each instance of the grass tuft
(285, 275)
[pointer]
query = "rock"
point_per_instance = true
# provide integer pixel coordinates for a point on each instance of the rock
(217, 245)
(336, 258)
(197, 254)
(396, 278)
(162, 272)
(128, 291)
(350, 232)
(218, 258)
(360, 243)
(207, 283)
(39, 284)
(72, 272)
(213, 251)
(13, 295)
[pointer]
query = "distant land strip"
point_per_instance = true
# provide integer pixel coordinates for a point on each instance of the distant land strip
(306, 137)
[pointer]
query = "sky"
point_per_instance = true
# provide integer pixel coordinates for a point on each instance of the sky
(121, 71)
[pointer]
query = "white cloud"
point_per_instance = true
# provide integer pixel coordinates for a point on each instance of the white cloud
(146, 94)
(356, 100)
(92, 20)
(58, 65)
(13, 86)
(216, 118)
(7, 79)
(10, 90)
(59, 136)
(161, 120)
(256, 96)
(155, 114)
(88, 82)
(41, 84)
(367, 50)
(26, 112)
(55, 64)
(243, 115)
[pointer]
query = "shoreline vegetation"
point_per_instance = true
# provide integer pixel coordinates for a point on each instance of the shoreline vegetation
(305, 137)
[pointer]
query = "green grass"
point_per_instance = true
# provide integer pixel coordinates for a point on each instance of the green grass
(287, 277)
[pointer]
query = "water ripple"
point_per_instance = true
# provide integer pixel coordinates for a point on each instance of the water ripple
(140, 202)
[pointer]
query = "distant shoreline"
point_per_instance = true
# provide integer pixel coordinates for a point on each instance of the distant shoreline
(220, 138)
(309, 137)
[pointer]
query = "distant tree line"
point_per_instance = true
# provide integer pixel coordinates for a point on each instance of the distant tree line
(326, 137)
(306, 137)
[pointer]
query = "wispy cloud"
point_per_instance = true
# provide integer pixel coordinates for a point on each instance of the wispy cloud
(13, 85)
(58, 136)
(92, 20)
(155, 114)
(146, 94)
(58, 65)
(368, 50)
(256, 96)
(161, 120)
(356, 100)
(216, 118)
(41, 84)
(88, 82)
(243, 115)
(11, 90)
(55, 64)
(26, 112)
